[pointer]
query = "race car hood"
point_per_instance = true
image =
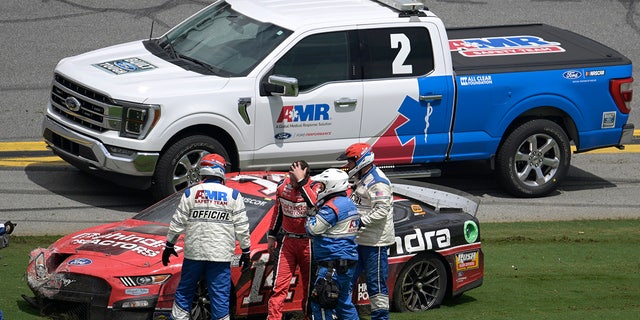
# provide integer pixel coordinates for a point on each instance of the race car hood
(130, 72)
(130, 242)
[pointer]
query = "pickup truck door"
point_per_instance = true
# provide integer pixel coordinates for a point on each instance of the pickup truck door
(324, 118)
(408, 104)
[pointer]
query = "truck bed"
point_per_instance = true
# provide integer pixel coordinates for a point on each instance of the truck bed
(511, 48)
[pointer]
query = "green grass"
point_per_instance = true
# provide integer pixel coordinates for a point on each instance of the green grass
(538, 270)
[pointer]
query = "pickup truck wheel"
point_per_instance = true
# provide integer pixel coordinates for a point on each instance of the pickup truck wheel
(421, 285)
(177, 168)
(534, 159)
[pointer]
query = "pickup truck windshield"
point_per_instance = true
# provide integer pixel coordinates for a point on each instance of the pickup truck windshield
(223, 40)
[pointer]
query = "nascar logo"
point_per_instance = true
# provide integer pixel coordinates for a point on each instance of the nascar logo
(503, 46)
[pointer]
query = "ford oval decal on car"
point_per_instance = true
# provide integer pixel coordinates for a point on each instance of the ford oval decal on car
(80, 262)
(282, 136)
(572, 74)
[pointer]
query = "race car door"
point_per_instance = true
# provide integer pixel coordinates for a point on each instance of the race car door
(324, 118)
(408, 95)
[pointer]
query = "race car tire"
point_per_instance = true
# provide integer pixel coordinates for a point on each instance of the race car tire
(534, 159)
(421, 285)
(201, 306)
(177, 167)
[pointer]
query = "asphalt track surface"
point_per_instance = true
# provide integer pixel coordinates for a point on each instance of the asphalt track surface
(46, 196)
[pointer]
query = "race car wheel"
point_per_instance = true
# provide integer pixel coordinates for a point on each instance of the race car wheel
(534, 159)
(421, 285)
(201, 307)
(177, 168)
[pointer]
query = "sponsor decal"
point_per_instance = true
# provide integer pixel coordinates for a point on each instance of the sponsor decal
(282, 136)
(80, 262)
(467, 260)
(363, 294)
(417, 209)
(421, 241)
(594, 73)
(475, 80)
(572, 74)
(211, 196)
(608, 119)
(124, 66)
(300, 113)
(117, 242)
(136, 291)
(306, 117)
(503, 46)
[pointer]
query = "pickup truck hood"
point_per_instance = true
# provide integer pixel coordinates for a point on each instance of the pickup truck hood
(130, 72)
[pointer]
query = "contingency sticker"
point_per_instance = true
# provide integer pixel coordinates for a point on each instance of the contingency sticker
(608, 119)
(467, 260)
(123, 66)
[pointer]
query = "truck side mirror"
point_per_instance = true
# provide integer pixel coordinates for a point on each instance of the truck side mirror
(282, 86)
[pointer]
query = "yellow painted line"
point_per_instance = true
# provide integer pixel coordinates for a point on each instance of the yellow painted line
(23, 162)
(23, 146)
(628, 148)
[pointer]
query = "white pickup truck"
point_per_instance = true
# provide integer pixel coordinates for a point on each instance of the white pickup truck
(266, 82)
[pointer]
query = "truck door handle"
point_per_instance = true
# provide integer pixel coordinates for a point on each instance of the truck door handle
(431, 97)
(345, 102)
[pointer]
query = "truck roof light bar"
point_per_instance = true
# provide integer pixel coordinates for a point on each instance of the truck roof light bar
(404, 5)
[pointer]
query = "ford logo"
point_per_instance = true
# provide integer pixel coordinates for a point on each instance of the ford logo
(282, 136)
(72, 104)
(572, 74)
(80, 262)
(126, 65)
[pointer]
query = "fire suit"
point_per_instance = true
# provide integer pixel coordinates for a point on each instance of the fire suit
(212, 217)
(291, 209)
(334, 229)
(373, 196)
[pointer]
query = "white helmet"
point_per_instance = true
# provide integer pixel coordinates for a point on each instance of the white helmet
(213, 165)
(333, 180)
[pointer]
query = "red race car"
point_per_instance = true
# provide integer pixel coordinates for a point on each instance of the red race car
(114, 271)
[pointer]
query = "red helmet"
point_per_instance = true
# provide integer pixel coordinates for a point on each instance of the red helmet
(213, 165)
(360, 153)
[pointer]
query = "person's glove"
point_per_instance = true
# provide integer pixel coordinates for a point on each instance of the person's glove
(245, 260)
(9, 226)
(167, 252)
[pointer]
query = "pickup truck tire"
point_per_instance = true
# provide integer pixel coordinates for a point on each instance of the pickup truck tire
(534, 159)
(421, 285)
(177, 168)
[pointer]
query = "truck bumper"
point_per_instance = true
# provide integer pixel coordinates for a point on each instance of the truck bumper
(93, 156)
(627, 134)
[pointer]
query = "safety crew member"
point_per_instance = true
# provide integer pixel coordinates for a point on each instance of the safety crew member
(373, 196)
(334, 229)
(209, 239)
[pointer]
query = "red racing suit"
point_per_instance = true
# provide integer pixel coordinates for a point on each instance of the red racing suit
(292, 205)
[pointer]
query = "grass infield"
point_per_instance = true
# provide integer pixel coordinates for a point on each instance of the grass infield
(533, 270)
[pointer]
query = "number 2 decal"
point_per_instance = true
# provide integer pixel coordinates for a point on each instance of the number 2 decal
(398, 66)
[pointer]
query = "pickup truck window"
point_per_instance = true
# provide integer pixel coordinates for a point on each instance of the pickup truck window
(223, 40)
(317, 59)
(396, 52)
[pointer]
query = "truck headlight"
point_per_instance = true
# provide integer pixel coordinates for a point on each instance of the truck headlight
(133, 120)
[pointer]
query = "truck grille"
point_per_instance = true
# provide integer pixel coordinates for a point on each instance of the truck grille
(96, 111)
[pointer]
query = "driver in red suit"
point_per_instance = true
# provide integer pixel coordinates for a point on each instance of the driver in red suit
(295, 198)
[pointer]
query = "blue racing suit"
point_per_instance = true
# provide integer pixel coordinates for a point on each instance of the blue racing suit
(374, 197)
(333, 230)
